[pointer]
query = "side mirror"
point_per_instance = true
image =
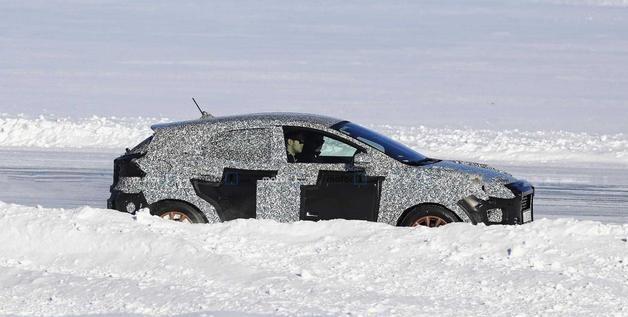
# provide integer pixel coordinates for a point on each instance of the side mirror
(362, 159)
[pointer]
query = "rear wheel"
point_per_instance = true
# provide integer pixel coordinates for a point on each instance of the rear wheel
(177, 211)
(428, 216)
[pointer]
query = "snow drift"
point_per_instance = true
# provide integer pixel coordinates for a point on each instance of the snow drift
(114, 134)
(91, 261)
(93, 132)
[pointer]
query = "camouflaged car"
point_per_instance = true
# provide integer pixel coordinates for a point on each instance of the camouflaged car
(290, 167)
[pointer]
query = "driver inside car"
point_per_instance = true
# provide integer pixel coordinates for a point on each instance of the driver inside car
(295, 143)
(311, 149)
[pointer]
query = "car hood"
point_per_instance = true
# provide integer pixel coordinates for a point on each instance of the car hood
(488, 174)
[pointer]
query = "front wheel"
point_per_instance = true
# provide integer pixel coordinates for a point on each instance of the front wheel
(177, 211)
(428, 216)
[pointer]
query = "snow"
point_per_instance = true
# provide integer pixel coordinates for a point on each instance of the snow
(106, 133)
(514, 145)
(93, 132)
(492, 64)
(536, 87)
(92, 261)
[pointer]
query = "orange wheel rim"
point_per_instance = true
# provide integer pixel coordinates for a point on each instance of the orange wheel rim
(429, 221)
(176, 216)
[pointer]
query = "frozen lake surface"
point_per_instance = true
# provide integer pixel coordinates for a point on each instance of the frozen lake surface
(64, 179)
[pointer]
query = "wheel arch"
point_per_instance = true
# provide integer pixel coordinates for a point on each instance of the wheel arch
(150, 207)
(423, 206)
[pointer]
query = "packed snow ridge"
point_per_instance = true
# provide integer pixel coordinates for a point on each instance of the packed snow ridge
(115, 134)
(94, 132)
(94, 261)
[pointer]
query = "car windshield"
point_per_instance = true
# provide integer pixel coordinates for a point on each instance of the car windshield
(382, 143)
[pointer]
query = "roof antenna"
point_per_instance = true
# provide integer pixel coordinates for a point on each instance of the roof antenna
(204, 115)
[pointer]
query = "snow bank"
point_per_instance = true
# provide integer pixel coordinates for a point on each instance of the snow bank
(472, 144)
(513, 145)
(93, 133)
(91, 261)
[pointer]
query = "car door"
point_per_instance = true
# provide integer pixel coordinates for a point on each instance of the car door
(330, 185)
(241, 158)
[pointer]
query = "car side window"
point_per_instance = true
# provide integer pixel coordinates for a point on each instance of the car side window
(311, 146)
(246, 145)
(335, 148)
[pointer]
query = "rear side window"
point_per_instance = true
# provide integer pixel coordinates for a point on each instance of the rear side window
(245, 145)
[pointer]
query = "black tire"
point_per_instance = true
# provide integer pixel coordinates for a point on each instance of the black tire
(177, 211)
(429, 216)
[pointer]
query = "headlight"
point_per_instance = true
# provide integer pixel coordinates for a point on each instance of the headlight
(472, 201)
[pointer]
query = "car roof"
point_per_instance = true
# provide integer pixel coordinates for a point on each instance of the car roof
(270, 117)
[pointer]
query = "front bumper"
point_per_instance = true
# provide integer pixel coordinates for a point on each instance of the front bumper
(513, 211)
